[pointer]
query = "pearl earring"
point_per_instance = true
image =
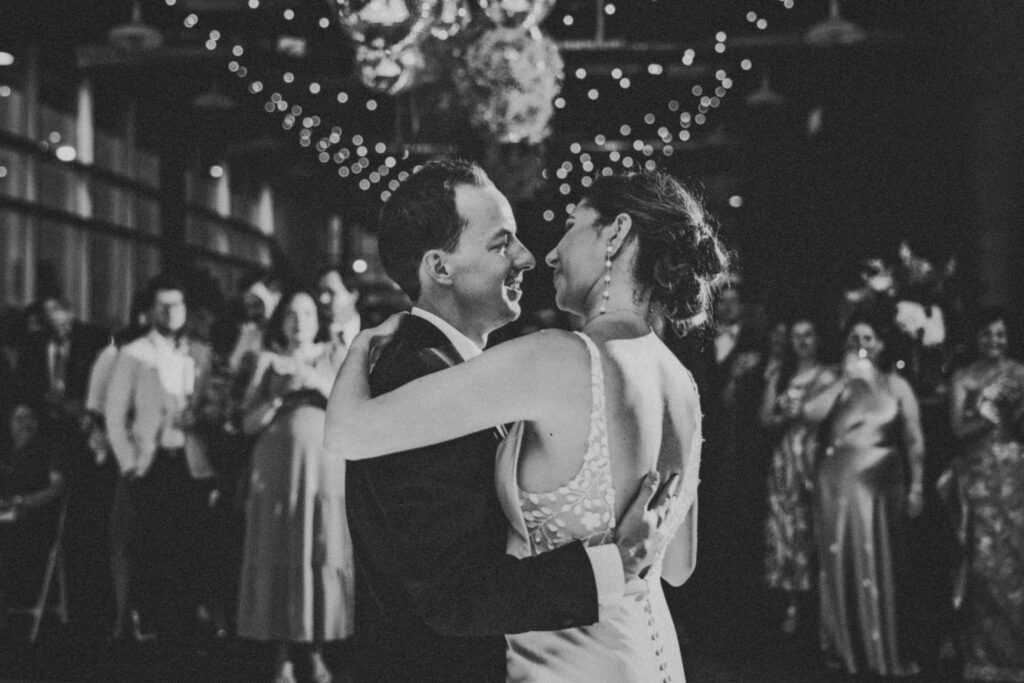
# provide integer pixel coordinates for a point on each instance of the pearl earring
(607, 280)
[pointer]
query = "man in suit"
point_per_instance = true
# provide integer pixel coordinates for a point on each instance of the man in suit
(54, 364)
(150, 415)
(337, 296)
(725, 594)
(428, 531)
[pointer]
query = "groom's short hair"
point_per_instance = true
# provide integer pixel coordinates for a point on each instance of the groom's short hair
(421, 215)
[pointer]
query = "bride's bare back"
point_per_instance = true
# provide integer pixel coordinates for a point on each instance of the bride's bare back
(652, 412)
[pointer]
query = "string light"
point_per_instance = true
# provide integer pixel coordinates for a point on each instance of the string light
(664, 135)
(277, 102)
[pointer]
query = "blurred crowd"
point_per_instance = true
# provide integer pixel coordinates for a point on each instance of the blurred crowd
(862, 481)
(179, 462)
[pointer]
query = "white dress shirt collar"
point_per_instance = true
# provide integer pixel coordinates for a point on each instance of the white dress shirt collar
(466, 348)
(725, 341)
(161, 342)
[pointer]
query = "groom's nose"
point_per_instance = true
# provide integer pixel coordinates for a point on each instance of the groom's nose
(523, 259)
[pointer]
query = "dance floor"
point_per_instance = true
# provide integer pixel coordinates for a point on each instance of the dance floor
(58, 657)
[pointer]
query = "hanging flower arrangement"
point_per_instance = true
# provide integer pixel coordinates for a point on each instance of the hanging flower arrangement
(387, 71)
(508, 80)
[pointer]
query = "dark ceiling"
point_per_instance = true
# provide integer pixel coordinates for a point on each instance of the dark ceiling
(863, 147)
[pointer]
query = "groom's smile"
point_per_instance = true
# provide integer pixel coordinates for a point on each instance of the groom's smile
(488, 264)
(513, 288)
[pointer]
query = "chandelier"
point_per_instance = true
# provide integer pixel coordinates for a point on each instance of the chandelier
(506, 71)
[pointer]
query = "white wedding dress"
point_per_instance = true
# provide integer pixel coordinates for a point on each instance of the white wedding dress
(635, 639)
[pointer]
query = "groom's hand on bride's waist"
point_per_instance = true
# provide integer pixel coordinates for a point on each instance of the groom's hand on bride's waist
(641, 533)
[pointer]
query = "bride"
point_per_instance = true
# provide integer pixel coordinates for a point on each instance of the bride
(593, 412)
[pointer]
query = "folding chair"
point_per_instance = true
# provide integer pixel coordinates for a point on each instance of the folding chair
(54, 570)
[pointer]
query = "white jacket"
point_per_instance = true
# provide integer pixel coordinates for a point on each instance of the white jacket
(137, 401)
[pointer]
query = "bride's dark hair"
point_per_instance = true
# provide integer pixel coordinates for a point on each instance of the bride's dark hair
(680, 257)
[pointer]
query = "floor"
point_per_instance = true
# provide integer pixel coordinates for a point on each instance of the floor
(59, 656)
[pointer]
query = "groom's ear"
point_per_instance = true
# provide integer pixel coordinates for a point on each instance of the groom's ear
(437, 266)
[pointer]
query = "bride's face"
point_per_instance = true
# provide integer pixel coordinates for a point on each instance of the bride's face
(578, 261)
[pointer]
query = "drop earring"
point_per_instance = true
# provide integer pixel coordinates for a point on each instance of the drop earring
(607, 279)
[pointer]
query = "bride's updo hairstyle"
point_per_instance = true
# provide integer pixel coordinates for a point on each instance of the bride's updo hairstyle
(679, 257)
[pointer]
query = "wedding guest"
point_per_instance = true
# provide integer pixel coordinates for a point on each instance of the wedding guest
(93, 477)
(337, 296)
(778, 348)
(32, 466)
(259, 303)
(119, 524)
(789, 562)
(150, 415)
(870, 433)
(729, 370)
(297, 584)
(987, 413)
(55, 363)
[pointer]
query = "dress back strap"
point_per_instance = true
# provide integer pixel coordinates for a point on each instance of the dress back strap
(596, 379)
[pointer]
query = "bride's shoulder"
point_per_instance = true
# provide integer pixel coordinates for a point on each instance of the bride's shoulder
(544, 351)
(547, 340)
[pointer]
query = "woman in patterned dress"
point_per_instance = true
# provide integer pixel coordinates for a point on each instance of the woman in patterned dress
(986, 416)
(788, 535)
(297, 582)
(593, 412)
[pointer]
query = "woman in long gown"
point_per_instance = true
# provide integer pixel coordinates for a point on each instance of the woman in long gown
(297, 583)
(862, 504)
(789, 561)
(593, 412)
(992, 484)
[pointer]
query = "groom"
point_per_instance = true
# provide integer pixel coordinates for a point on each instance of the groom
(437, 589)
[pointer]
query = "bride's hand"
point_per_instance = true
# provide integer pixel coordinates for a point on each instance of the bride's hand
(376, 338)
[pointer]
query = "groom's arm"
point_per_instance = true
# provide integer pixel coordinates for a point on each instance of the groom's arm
(435, 530)
(439, 542)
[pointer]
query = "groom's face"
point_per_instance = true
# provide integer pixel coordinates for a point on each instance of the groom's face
(487, 266)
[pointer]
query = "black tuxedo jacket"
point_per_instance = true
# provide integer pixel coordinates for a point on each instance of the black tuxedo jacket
(33, 370)
(437, 588)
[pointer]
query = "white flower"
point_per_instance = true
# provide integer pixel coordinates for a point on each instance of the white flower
(509, 79)
(384, 12)
(927, 325)
(910, 317)
(934, 327)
